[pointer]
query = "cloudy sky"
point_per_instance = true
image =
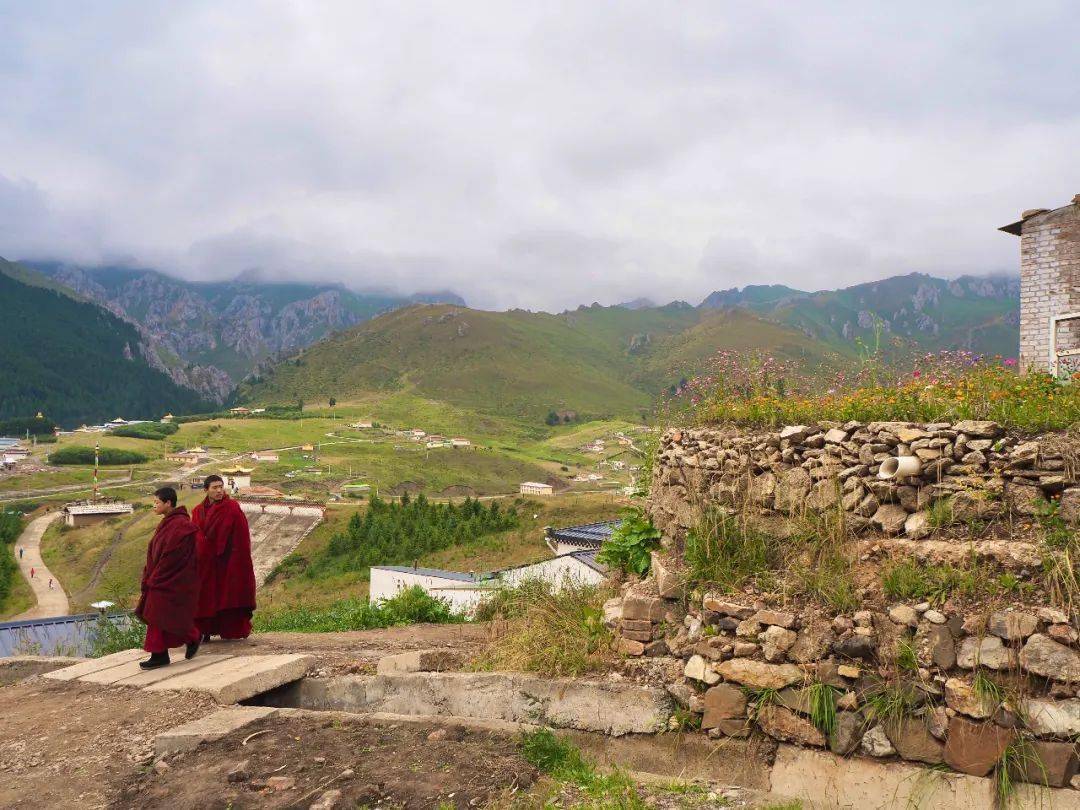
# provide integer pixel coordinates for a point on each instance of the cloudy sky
(536, 157)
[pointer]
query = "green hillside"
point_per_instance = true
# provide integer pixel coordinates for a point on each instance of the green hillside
(976, 313)
(597, 361)
(74, 361)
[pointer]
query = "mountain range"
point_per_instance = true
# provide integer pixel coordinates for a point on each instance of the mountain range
(209, 336)
(251, 341)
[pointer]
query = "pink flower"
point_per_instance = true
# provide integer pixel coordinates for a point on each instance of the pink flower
(916, 373)
(1010, 361)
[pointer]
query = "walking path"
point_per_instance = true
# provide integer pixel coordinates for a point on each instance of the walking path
(49, 602)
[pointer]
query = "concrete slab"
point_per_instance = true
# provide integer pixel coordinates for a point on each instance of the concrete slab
(207, 729)
(145, 677)
(817, 777)
(241, 677)
(128, 668)
(95, 665)
(419, 661)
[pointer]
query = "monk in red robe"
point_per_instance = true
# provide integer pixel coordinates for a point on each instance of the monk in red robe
(226, 573)
(170, 583)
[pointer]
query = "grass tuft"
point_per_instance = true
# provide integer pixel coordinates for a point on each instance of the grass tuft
(410, 606)
(564, 762)
(823, 708)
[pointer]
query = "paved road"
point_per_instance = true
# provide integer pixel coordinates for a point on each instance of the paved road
(52, 602)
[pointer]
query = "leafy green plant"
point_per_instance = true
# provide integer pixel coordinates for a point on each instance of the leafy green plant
(631, 544)
(112, 634)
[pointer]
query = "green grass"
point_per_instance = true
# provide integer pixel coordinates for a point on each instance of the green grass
(909, 580)
(563, 761)
(411, 606)
(822, 700)
(557, 634)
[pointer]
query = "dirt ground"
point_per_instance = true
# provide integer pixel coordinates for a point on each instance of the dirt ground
(65, 744)
(295, 761)
(357, 652)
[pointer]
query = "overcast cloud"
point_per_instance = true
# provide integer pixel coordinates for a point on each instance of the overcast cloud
(536, 157)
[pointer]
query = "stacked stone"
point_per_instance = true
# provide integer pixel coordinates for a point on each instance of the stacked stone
(983, 472)
(730, 651)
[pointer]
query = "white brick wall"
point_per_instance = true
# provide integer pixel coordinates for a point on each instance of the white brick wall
(1049, 283)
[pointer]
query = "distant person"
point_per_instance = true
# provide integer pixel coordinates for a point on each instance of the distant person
(170, 583)
(20, 553)
(226, 573)
(50, 583)
(31, 573)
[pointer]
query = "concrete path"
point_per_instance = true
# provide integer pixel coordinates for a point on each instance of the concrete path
(52, 602)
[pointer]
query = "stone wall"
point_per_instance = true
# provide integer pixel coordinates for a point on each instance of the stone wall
(1049, 280)
(777, 476)
(956, 682)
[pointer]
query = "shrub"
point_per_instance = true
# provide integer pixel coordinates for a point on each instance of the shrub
(11, 526)
(630, 545)
(76, 454)
(146, 430)
(555, 633)
(411, 606)
(112, 634)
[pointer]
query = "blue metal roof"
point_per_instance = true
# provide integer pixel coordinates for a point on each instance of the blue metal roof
(589, 535)
(458, 576)
(58, 635)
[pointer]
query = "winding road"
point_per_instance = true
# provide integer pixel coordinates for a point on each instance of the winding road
(50, 602)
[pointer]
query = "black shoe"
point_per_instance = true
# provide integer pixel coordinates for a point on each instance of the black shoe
(192, 648)
(155, 660)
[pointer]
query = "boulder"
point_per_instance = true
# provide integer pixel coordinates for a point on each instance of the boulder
(717, 604)
(1024, 499)
(775, 617)
(763, 489)
(698, 669)
(791, 490)
(1053, 764)
(1012, 625)
(875, 743)
(794, 433)
(776, 641)
(669, 576)
(975, 748)
(1069, 506)
(1044, 656)
(917, 525)
(979, 429)
(835, 436)
(856, 646)
(760, 675)
(813, 642)
(913, 741)
(934, 645)
(1058, 718)
(988, 651)
(890, 518)
(642, 607)
(723, 702)
(905, 615)
(974, 505)
(962, 698)
(847, 734)
(784, 724)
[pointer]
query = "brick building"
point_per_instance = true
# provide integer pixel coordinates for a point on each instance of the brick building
(1049, 287)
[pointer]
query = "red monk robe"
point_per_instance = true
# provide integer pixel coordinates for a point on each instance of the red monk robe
(226, 573)
(170, 584)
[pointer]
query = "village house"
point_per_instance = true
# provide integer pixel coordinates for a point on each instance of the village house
(241, 411)
(361, 425)
(579, 538)
(464, 591)
(268, 456)
(87, 513)
(1049, 287)
(457, 442)
(191, 457)
(536, 488)
(237, 478)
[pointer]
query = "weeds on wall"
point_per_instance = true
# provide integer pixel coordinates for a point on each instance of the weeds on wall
(559, 633)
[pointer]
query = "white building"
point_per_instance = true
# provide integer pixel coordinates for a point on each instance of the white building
(269, 456)
(536, 488)
(464, 591)
(460, 443)
(237, 478)
(84, 513)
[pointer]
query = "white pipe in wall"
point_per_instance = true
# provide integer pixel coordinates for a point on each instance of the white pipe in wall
(900, 467)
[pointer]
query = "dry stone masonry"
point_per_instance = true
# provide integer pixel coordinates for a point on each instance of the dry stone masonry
(950, 683)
